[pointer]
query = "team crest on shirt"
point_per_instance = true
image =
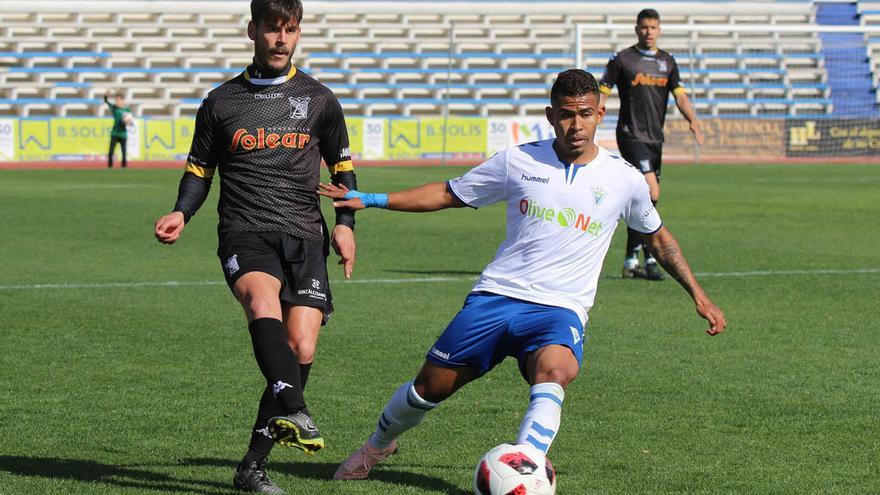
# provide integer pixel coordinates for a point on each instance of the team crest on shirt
(299, 107)
(662, 65)
(599, 194)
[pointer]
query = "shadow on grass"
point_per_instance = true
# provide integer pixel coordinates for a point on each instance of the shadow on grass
(93, 472)
(324, 471)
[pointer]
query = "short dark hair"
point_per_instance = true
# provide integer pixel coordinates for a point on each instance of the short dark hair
(573, 82)
(647, 14)
(276, 9)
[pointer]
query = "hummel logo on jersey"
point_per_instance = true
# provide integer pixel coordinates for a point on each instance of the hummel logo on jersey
(299, 107)
(278, 386)
(531, 178)
(575, 334)
(231, 265)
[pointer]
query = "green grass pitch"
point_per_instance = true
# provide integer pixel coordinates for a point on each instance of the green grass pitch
(114, 381)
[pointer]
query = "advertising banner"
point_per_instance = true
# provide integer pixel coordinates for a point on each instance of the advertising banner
(7, 140)
(424, 138)
(833, 137)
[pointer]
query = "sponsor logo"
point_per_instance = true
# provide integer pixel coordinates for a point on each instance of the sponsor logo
(575, 334)
(248, 142)
(316, 284)
(268, 96)
(299, 107)
(647, 80)
(531, 178)
(278, 386)
(231, 265)
(564, 217)
(599, 194)
(312, 293)
(802, 136)
(440, 354)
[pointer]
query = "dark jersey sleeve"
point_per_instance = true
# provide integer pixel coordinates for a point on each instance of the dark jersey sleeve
(673, 83)
(200, 164)
(336, 152)
(609, 78)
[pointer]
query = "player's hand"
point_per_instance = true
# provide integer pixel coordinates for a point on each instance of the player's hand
(169, 227)
(343, 243)
(713, 314)
(337, 194)
(698, 133)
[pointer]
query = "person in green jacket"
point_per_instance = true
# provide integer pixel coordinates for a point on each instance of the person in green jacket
(121, 118)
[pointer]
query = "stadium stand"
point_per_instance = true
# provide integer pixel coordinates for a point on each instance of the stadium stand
(480, 58)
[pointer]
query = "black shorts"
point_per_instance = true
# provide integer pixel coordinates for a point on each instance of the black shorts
(300, 265)
(647, 157)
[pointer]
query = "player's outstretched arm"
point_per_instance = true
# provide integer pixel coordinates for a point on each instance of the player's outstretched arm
(667, 251)
(429, 197)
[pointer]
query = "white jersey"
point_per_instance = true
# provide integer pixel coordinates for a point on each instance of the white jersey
(560, 220)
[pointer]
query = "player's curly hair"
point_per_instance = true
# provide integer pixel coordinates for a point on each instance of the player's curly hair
(573, 82)
(276, 9)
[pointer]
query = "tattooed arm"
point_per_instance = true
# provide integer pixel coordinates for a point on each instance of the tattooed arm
(667, 251)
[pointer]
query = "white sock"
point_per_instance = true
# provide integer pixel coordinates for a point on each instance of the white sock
(543, 417)
(405, 410)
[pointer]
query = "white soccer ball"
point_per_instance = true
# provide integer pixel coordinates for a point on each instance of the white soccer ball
(510, 469)
(128, 118)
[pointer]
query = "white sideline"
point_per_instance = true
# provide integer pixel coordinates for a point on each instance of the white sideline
(417, 280)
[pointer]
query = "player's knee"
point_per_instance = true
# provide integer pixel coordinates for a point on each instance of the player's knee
(561, 375)
(305, 351)
(259, 307)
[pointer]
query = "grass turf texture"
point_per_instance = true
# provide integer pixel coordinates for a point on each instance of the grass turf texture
(152, 389)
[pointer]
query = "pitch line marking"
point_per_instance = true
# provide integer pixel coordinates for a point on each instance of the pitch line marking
(418, 280)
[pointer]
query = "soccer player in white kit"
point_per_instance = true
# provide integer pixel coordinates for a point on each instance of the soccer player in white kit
(564, 197)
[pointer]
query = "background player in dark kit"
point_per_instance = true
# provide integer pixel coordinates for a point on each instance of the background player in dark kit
(644, 76)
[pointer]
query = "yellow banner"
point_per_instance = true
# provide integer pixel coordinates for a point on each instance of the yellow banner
(168, 139)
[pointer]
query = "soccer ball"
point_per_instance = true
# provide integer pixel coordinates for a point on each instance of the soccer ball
(510, 469)
(128, 118)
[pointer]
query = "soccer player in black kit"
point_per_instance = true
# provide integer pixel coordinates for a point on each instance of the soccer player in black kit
(266, 132)
(644, 76)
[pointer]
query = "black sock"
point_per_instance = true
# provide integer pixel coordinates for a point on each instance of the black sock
(633, 242)
(304, 370)
(278, 363)
(261, 442)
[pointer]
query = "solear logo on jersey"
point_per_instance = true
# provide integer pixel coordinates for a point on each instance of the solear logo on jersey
(564, 217)
(244, 140)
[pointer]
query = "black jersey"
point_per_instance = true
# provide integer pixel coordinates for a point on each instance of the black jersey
(267, 139)
(643, 81)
